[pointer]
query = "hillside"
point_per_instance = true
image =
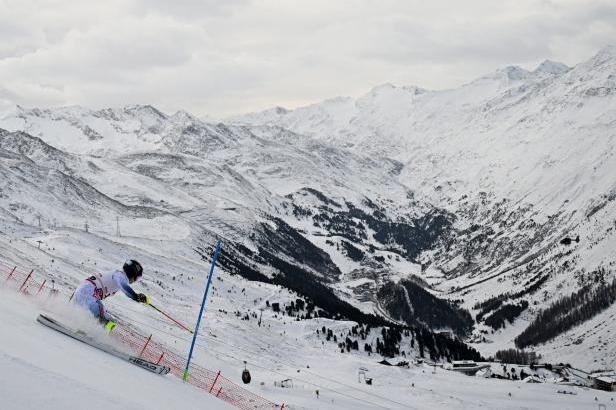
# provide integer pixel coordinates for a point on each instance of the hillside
(44, 369)
(463, 198)
(522, 159)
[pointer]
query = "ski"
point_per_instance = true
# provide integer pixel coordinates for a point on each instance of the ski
(84, 338)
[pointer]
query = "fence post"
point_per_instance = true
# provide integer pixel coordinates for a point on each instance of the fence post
(219, 390)
(41, 287)
(11, 274)
(145, 345)
(27, 279)
(160, 358)
(215, 380)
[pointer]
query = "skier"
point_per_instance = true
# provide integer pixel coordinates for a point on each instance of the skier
(90, 294)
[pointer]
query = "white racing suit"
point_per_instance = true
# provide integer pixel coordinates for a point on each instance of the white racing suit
(96, 288)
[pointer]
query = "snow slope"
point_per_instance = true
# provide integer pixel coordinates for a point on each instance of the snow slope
(513, 162)
(42, 368)
(506, 133)
(522, 158)
(45, 369)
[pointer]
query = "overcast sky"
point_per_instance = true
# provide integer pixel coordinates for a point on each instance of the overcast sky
(222, 57)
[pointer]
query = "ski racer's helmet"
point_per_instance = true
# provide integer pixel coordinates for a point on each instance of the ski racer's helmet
(133, 269)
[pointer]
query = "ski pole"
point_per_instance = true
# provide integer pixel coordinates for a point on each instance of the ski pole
(170, 318)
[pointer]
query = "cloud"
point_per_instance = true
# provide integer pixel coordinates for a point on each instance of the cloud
(229, 56)
(189, 9)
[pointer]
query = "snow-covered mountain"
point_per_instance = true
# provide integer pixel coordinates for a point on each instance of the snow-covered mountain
(522, 159)
(502, 133)
(405, 197)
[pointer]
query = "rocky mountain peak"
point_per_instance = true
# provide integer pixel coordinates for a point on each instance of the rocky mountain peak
(551, 67)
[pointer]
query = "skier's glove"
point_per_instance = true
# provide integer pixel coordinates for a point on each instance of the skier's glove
(110, 325)
(142, 298)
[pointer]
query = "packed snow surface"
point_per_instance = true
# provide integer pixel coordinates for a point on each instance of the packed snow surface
(71, 372)
(43, 369)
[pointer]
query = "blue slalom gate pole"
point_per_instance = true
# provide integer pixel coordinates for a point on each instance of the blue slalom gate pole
(207, 288)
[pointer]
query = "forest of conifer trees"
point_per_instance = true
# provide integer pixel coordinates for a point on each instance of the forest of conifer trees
(566, 313)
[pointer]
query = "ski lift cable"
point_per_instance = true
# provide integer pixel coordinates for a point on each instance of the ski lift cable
(211, 339)
(279, 362)
(311, 383)
(286, 375)
(274, 361)
(405, 406)
(317, 375)
(252, 353)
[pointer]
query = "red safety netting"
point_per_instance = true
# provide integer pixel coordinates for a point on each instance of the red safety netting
(33, 284)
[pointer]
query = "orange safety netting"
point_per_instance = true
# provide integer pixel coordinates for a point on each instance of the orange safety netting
(31, 284)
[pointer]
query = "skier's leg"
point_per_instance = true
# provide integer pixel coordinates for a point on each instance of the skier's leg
(84, 297)
(83, 294)
(97, 309)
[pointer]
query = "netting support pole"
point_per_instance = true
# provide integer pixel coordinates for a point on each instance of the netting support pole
(41, 287)
(26, 280)
(11, 274)
(145, 345)
(215, 380)
(160, 358)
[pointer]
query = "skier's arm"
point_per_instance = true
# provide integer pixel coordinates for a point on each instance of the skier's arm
(122, 282)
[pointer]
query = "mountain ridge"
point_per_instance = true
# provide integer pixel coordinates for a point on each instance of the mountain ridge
(471, 189)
